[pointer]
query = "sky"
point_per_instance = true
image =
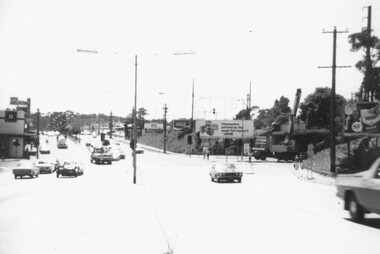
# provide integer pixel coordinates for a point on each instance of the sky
(222, 47)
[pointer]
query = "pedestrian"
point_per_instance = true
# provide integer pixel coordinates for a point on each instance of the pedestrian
(296, 164)
(2, 151)
(301, 161)
(208, 154)
(204, 152)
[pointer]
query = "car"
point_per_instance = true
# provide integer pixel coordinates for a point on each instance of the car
(360, 192)
(225, 172)
(139, 150)
(122, 153)
(115, 153)
(70, 168)
(100, 155)
(44, 149)
(25, 168)
(45, 166)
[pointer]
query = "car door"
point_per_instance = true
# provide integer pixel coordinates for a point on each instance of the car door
(372, 192)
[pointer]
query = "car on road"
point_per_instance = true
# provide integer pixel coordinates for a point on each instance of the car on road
(45, 166)
(44, 149)
(139, 150)
(115, 152)
(360, 191)
(122, 153)
(25, 168)
(225, 172)
(70, 168)
(99, 155)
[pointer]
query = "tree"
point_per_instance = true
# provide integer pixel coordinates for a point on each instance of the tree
(315, 110)
(279, 114)
(371, 80)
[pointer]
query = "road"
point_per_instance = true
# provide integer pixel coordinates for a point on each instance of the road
(175, 203)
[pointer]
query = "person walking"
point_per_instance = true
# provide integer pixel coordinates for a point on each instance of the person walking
(2, 151)
(208, 154)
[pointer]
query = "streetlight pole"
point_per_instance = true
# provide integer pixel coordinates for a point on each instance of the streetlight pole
(38, 133)
(165, 111)
(134, 138)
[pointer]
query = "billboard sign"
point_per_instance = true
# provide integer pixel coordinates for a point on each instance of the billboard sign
(362, 117)
(180, 124)
(153, 126)
(224, 128)
(14, 101)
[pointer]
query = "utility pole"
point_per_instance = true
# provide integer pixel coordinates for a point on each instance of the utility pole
(332, 101)
(165, 111)
(192, 109)
(111, 125)
(368, 71)
(38, 133)
(134, 136)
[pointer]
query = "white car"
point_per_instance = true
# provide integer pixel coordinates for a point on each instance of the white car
(225, 172)
(45, 166)
(44, 148)
(116, 155)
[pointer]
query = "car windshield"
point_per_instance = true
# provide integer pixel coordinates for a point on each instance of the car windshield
(69, 163)
(26, 164)
(225, 166)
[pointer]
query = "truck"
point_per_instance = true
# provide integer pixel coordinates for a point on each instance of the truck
(360, 191)
(279, 141)
(61, 142)
(284, 141)
(100, 156)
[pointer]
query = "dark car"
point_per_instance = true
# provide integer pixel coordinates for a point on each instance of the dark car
(225, 172)
(70, 168)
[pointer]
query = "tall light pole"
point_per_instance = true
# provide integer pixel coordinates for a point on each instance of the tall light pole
(165, 108)
(134, 136)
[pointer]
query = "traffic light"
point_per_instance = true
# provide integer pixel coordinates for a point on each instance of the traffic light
(132, 144)
(15, 142)
(189, 140)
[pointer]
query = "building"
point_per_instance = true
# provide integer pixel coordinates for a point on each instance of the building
(12, 136)
(14, 127)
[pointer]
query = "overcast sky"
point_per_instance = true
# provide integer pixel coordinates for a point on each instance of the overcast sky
(276, 46)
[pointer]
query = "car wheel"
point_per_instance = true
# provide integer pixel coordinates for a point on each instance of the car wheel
(218, 180)
(76, 175)
(239, 180)
(36, 175)
(57, 175)
(15, 177)
(355, 209)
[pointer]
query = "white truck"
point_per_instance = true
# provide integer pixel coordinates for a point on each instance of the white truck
(360, 192)
(61, 141)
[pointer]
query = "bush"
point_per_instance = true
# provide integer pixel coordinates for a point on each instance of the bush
(361, 159)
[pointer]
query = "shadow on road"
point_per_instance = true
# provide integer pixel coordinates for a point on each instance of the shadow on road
(369, 222)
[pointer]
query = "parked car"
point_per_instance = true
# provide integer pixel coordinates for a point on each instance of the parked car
(45, 166)
(25, 168)
(71, 168)
(44, 149)
(225, 172)
(360, 192)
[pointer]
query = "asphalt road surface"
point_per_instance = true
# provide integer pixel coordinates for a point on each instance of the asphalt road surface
(175, 204)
